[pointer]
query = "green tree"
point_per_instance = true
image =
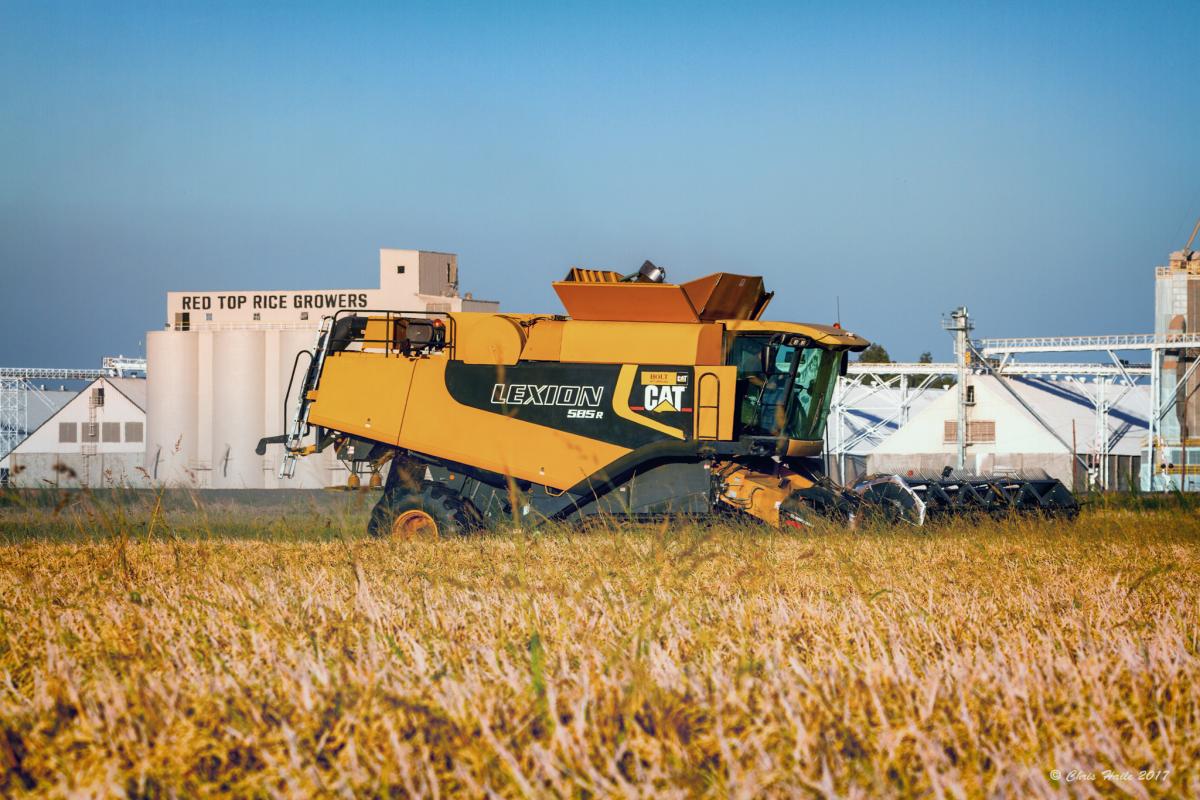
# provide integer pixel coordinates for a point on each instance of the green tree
(943, 382)
(875, 354)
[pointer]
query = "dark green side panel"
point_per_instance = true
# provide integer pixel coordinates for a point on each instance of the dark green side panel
(577, 398)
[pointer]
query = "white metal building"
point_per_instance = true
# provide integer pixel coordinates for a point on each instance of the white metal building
(97, 439)
(218, 372)
(869, 415)
(1003, 435)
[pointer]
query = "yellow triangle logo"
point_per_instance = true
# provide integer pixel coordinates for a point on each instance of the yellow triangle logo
(665, 405)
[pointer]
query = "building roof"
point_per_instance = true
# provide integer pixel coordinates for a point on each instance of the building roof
(133, 388)
(1067, 408)
(871, 415)
(44, 405)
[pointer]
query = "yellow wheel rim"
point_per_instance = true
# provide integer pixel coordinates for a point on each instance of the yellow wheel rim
(415, 524)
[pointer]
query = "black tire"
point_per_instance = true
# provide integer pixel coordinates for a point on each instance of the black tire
(454, 514)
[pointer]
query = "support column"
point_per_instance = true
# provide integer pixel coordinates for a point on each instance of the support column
(1155, 413)
(960, 325)
(835, 435)
(1102, 433)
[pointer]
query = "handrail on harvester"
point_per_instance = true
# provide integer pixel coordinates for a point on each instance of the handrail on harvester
(294, 438)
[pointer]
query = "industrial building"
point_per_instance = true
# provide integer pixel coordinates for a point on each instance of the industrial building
(1110, 425)
(95, 440)
(1040, 425)
(1177, 315)
(219, 370)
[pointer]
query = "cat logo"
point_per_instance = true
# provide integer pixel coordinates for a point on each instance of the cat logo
(664, 399)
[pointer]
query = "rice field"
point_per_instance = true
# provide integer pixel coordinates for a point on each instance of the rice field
(182, 652)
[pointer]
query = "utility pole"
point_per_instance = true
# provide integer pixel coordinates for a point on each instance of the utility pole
(960, 325)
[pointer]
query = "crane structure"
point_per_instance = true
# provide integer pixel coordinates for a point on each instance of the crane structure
(1157, 345)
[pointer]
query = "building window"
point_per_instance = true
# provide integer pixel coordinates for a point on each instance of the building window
(303, 315)
(68, 432)
(979, 431)
(257, 316)
(90, 432)
(98, 396)
(208, 317)
(449, 278)
(110, 431)
(183, 321)
(970, 395)
(133, 431)
(982, 431)
(400, 270)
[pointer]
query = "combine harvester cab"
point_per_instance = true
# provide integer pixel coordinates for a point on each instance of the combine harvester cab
(649, 399)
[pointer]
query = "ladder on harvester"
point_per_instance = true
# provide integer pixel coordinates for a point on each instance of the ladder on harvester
(312, 376)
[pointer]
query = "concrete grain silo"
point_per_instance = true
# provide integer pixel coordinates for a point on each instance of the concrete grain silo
(238, 389)
(172, 441)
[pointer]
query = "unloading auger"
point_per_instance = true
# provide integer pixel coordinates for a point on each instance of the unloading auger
(649, 399)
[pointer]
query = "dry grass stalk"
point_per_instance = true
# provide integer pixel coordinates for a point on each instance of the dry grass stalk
(967, 661)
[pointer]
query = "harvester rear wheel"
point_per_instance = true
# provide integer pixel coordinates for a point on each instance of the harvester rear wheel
(435, 511)
(414, 524)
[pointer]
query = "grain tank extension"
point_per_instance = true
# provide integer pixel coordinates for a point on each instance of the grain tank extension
(650, 398)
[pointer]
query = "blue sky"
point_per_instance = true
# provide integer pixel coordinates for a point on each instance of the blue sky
(1034, 162)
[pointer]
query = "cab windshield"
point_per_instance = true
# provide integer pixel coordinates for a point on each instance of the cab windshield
(784, 387)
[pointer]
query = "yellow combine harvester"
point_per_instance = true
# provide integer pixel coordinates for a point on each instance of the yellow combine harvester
(650, 398)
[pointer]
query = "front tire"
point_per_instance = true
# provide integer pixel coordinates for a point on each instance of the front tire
(434, 511)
